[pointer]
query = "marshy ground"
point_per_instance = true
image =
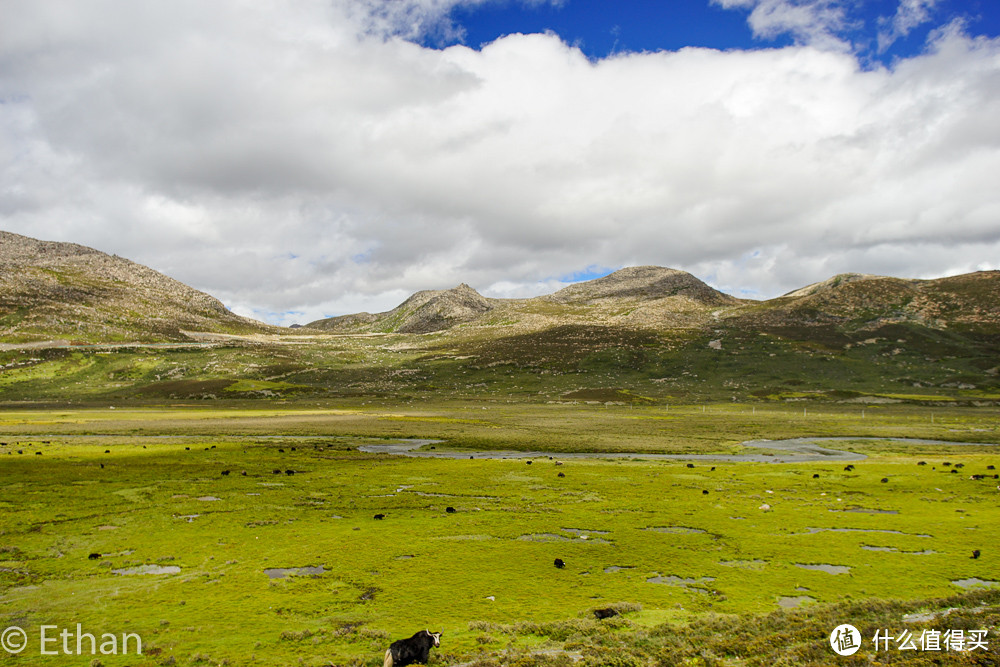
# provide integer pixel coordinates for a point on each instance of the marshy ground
(245, 536)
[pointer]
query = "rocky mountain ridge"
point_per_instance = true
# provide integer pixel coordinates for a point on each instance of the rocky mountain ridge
(650, 297)
(634, 296)
(68, 291)
(853, 301)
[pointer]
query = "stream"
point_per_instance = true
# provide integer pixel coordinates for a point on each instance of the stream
(793, 450)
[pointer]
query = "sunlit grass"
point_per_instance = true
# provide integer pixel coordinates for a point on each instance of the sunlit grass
(616, 524)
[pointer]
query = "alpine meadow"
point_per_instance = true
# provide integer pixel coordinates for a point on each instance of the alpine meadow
(633, 470)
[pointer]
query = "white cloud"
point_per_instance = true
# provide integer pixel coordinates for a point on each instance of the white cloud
(909, 15)
(427, 20)
(284, 158)
(818, 23)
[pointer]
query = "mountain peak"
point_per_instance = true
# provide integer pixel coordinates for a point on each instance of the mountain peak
(69, 291)
(644, 283)
(425, 311)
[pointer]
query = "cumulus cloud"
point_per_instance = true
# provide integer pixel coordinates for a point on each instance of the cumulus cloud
(297, 158)
(819, 23)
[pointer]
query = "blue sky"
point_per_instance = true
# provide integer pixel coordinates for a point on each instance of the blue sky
(601, 27)
(604, 27)
(300, 159)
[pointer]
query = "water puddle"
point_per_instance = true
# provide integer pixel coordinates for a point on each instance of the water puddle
(925, 616)
(754, 564)
(618, 568)
(580, 533)
(208, 499)
(676, 530)
(283, 572)
(544, 537)
(683, 582)
(787, 602)
(973, 582)
(863, 510)
(824, 567)
(188, 517)
(812, 531)
(793, 450)
(149, 569)
(583, 532)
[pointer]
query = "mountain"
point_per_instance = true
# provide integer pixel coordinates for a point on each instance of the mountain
(424, 312)
(642, 334)
(662, 299)
(855, 302)
(642, 296)
(51, 290)
(643, 283)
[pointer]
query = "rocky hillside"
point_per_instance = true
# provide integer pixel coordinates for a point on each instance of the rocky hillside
(643, 283)
(424, 312)
(657, 298)
(66, 291)
(643, 296)
(854, 302)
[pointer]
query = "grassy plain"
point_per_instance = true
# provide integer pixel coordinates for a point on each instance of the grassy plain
(689, 549)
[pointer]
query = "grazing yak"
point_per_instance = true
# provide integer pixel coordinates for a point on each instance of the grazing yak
(416, 649)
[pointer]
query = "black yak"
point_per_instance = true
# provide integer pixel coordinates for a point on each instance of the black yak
(416, 649)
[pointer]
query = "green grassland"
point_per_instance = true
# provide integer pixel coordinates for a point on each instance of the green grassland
(119, 451)
(893, 363)
(701, 575)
